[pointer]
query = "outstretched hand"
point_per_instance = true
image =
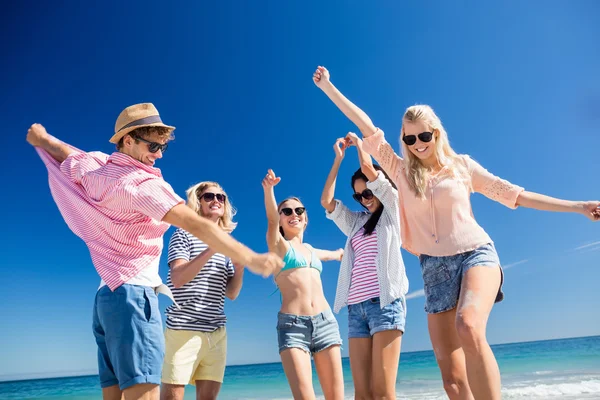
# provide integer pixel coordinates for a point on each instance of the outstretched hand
(270, 180)
(321, 77)
(591, 209)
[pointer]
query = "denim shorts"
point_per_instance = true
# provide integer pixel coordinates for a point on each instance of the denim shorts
(129, 333)
(367, 318)
(311, 334)
(442, 276)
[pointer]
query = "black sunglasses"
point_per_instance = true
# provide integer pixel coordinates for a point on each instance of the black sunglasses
(367, 194)
(208, 197)
(412, 139)
(153, 146)
(288, 211)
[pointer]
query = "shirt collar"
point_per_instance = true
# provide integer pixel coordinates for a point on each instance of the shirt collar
(125, 160)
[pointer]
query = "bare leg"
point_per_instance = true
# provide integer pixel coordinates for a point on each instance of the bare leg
(386, 356)
(449, 355)
(477, 295)
(296, 364)
(207, 390)
(142, 391)
(112, 393)
(172, 392)
(360, 364)
(328, 363)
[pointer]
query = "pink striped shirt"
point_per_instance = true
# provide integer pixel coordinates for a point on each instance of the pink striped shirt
(364, 284)
(115, 204)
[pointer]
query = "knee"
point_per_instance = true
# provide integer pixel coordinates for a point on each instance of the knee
(454, 386)
(362, 395)
(471, 330)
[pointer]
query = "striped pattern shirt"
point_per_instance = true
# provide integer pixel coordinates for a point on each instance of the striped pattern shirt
(391, 274)
(364, 284)
(115, 204)
(201, 300)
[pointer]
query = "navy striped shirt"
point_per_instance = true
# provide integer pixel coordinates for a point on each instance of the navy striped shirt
(202, 300)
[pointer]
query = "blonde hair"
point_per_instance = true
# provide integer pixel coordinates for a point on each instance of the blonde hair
(416, 172)
(193, 201)
(280, 206)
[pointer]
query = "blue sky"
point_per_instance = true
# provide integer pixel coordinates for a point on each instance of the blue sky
(515, 83)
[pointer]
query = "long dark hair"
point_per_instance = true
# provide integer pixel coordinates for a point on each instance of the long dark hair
(374, 218)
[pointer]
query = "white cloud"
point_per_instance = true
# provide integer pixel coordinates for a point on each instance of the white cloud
(415, 294)
(507, 266)
(590, 249)
(585, 246)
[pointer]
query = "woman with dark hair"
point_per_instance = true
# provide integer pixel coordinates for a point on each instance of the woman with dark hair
(372, 281)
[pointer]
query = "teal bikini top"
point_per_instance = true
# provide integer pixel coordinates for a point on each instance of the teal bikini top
(294, 259)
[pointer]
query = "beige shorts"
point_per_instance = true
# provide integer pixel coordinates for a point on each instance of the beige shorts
(192, 356)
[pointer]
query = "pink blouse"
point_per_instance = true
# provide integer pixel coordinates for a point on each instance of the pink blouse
(441, 224)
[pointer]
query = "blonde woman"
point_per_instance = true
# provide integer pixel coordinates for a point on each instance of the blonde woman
(305, 325)
(195, 338)
(461, 269)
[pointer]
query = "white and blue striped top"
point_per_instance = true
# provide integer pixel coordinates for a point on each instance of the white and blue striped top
(202, 300)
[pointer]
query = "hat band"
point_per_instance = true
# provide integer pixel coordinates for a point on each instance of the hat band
(142, 121)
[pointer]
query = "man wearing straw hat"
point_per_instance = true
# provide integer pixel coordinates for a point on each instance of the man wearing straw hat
(121, 207)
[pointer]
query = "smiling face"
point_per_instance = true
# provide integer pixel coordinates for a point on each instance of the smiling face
(137, 143)
(294, 223)
(421, 150)
(212, 202)
(372, 204)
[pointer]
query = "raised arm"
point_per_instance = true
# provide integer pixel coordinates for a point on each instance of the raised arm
(221, 242)
(513, 196)
(321, 78)
(274, 238)
(366, 164)
(327, 197)
(37, 136)
(330, 255)
(590, 209)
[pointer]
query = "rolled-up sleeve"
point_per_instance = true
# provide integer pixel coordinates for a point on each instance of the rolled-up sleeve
(491, 186)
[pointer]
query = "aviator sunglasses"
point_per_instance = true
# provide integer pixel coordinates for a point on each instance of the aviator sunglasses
(412, 139)
(208, 197)
(367, 194)
(288, 211)
(153, 146)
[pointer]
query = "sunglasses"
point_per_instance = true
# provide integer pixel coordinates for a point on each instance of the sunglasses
(153, 146)
(288, 211)
(412, 139)
(208, 197)
(367, 194)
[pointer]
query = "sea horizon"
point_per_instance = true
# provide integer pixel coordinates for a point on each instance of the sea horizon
(88, 373)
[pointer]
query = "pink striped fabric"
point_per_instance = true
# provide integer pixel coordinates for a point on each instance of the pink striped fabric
(115, 204)
(364, 284)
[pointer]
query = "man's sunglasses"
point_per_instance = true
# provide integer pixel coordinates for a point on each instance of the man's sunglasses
(208, 197)
(412, 139)
(288, 211)
(367, 194)
(153, 146)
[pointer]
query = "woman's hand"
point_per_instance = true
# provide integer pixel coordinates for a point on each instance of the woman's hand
(270, 180)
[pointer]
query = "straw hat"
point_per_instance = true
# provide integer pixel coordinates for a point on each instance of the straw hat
(137, 116)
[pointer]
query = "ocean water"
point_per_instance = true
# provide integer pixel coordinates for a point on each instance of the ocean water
(553, 369)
